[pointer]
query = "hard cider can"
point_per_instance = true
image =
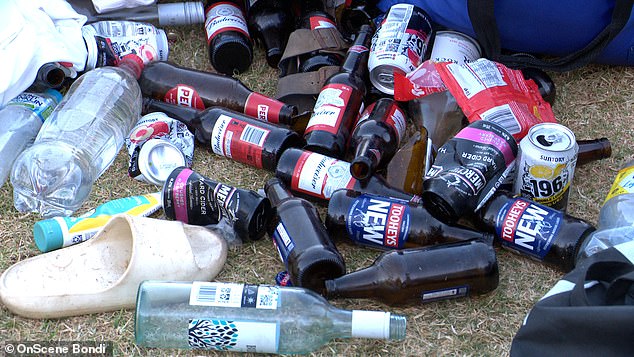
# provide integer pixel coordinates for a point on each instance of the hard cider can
(399, 45)
(456, 47)
(546, 165)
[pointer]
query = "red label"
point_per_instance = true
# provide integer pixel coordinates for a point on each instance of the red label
(224, 16)
(320, 176)
(330, 108)
(263, 108)
(393, 225)
(321, 22)
(239, 140)
(184, 95)
(512, 218)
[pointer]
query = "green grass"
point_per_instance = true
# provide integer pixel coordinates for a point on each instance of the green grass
(594, 102)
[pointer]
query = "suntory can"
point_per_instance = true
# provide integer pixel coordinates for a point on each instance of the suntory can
(546, 165)
(399, 45)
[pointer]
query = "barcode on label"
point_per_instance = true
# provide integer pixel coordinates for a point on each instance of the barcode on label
(254, 135)
(503, 115)
(206, 294)
(216, 294)
(488, 73)
(398, 13)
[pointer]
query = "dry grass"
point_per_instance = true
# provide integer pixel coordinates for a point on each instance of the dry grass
(595, 102)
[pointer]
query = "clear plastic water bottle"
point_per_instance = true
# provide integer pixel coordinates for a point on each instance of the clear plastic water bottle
(79, 141)
(250, 318)
(616, 218)
(20, 121)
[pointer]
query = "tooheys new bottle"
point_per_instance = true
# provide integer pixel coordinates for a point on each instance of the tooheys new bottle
(422, 274)
(230, 47)
(315, 176)
(389, 223)
(231, 134)
(528, 228)
(250, 318)
(302, 240)
(197, 89)
(340, 101)
(191, 198)
(271, 23)
(376, 137)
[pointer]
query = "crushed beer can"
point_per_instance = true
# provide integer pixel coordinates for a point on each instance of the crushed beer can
(157, 145)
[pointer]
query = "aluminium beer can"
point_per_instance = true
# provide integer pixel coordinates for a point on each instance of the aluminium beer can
(546, 165)
(456, 47)
(399, 45)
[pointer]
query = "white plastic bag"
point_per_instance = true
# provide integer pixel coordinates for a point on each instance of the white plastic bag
(109, 5)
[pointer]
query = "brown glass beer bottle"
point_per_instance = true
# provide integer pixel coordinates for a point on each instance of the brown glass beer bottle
(302, 240)
(420, 275)
(340, 101)
(271, 23)
(531, 229)
(315, 177)
(197, 89)
(407, 168)
(232, 134)
(594, 149)
(230, 47)
(376, 137)
(313, 17)
(383, 222)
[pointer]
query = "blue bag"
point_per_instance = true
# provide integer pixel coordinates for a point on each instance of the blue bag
(579, 32)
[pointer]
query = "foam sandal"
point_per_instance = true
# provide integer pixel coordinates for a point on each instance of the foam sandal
(104, 273)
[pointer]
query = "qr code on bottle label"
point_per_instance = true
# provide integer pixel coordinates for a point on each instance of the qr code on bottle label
(215, 294)
(267, 297)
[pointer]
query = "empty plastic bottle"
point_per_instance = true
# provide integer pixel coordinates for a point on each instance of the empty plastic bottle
(20, 122)
(616, 218)
(250, 318)
(79, 141)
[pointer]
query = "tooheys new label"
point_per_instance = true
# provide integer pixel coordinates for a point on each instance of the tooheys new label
(241, 141)
(192, 200)
(527, 227)
(283, 242)
(319, 175)
(184, 95)
(263, 108)
(378, 222)
(233, 335)
(329, 108)
(224, 16)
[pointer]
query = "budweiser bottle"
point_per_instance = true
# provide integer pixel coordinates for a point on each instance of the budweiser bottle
(340, 101)
(421, 275)
(197, 89)
(230, 47)
(376, 137)
(302, 240)
(389, 223)
(231, 134)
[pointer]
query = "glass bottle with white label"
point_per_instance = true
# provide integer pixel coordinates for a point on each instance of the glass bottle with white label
(420, 275)
(231, 134)
(228, 39)
(250, 318)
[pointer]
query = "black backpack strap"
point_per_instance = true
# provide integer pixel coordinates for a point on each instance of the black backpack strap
(482, 15)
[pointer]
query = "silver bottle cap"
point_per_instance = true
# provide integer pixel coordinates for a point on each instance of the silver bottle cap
(157, 159)
(181, 13)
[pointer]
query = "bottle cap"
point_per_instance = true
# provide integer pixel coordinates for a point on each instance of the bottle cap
(186, 13)
(88, 32)
(157, 159)
(162, 45)
(231, 54)
(134, 63)
(54, 94)
(48, 235)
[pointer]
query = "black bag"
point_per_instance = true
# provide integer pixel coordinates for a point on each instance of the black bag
(589, 312)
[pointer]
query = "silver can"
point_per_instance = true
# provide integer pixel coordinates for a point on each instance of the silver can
(546, 165)
(456, 47)
(399, 45)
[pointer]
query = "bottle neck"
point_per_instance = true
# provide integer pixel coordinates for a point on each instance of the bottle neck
(359, 284)
(367, 324)
(132, 64)
(357, 57)
(189, 116)
(276, 192)
(591, 150)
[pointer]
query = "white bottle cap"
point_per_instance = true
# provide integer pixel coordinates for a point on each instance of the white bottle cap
(371, 324)
(181, 13)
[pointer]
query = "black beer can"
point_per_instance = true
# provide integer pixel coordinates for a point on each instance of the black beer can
(191, 198)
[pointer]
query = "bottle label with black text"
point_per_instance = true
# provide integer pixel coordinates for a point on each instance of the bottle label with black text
(330, 108)
(318, 175)
(378, 221)
(238, 140)
(283, 242)
(224, 16)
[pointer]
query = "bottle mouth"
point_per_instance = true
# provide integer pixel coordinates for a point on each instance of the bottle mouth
(231, 56)
(398, 327)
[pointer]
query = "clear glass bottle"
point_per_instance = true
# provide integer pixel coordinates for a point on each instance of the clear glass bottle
(250, 318)
(79, 141)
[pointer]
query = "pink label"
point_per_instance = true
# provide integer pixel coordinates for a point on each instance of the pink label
(489, 138)
(179, 194)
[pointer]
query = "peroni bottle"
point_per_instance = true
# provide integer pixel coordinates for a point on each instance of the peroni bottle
(271, 23)
(382, 222)
(421, 275)
(376, 137)
(230, 47)
(197, 89)
(191, 198)
(301, 240)
(232, 134)
(529, 228)
(250, 318)
(340, 101)
(315, 177)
